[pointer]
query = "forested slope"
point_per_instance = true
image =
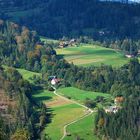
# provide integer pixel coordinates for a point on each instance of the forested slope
(58, 18)
(17, 110)
(20, 116)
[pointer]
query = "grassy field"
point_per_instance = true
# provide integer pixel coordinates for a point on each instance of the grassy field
(81, 95)
(87, 55)
(43, 96)
(61, 113)
(44, 39)
(27, 75)
(83, 129)
(61, 116)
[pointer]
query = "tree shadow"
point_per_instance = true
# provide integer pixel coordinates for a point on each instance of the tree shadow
(42, 98)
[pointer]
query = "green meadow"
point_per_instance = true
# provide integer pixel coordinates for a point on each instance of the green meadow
(84, 129)
(81, 95)
(61, 114)
(88, 55)
(28, 75)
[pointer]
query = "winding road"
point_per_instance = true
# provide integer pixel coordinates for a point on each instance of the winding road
(87, 113)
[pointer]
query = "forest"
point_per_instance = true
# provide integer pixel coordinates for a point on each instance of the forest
(75, 18)
(19, 118)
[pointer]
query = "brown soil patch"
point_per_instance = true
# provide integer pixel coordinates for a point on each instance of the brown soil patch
(57, 101)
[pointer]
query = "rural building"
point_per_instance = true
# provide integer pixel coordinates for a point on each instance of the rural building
(112, 109)
(129, 55)
(118, 100)
(54, 81)
(138, 52)
(64, 44)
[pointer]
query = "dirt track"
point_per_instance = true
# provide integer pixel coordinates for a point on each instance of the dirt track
(88, 112)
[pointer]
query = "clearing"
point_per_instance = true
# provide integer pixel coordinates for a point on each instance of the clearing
(88, 55)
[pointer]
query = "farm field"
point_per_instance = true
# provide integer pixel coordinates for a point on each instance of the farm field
(62, 114)
(88, 55)
(83, 129)
(81, 95)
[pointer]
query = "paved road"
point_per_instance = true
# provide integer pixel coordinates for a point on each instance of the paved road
(87, 113)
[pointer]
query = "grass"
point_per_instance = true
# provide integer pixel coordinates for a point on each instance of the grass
(83, 128)
(81, 95)
(27, 75)
(48, 40)
(44, 96)
(61, 116)
(88, 55)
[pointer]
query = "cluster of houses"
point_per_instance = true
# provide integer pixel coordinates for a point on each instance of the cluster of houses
(117, 105)
(64, 44)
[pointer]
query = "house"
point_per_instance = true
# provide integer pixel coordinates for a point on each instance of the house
(72, 42)
(138, 52)
(55, 81)
(129, 55)
(118, 100)
(64, 44)
(112, 109)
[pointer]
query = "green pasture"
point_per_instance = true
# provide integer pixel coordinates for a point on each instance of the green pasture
(43, 96)
(88, 55)
(28, 75)
(84, 129)
(80, 95)
(61, 116)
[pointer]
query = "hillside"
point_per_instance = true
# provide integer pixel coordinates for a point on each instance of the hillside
(16, 107)
(99, 20)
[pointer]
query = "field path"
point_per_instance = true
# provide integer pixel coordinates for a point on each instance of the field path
(87, 113)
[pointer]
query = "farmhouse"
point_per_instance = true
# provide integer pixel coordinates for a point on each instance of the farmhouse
(118, 100)
(138, 52)
(54, 81)
(64, 44)
(112, 109)
(129, 56)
